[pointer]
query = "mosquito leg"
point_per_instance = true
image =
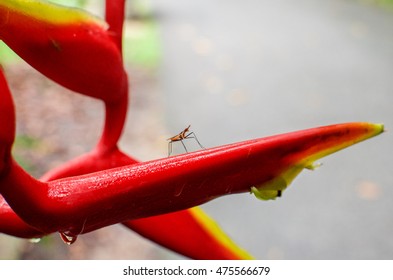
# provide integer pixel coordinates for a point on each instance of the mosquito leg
(196, 139)
(184, 146)
(169, 148)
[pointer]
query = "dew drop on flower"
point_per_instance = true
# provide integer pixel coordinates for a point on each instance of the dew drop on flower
(68, 237)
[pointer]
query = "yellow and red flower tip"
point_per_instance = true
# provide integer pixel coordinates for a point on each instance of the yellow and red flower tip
(50, 12)
(68, 45)
(220, 240)
(330, 139)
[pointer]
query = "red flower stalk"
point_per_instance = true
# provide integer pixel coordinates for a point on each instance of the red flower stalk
(114, 16)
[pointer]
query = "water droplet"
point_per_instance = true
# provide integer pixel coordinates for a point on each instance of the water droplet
(313, 165)
(34, 240)
(68, 237)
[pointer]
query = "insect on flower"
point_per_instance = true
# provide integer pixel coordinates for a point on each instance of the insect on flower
(185, 134)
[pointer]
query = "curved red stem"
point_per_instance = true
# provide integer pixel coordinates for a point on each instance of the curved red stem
(114, 16)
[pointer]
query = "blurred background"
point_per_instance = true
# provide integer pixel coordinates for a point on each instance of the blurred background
(235, 70)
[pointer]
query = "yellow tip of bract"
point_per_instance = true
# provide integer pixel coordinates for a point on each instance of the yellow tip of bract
(50, 12)
(215, 231)
(306, 147)
(340, 137)
(380, 127)
(374, 128)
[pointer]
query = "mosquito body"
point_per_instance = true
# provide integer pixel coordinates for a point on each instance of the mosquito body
(185, 134)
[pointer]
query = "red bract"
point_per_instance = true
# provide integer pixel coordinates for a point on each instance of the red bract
(13, 225)
(166, 185)
(7, 128)
(73, 48)
(106, 186)
(67, 45)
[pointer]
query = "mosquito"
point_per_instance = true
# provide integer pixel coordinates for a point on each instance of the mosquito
(185, 134)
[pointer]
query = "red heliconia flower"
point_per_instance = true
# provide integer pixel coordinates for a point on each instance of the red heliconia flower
(106, 186)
